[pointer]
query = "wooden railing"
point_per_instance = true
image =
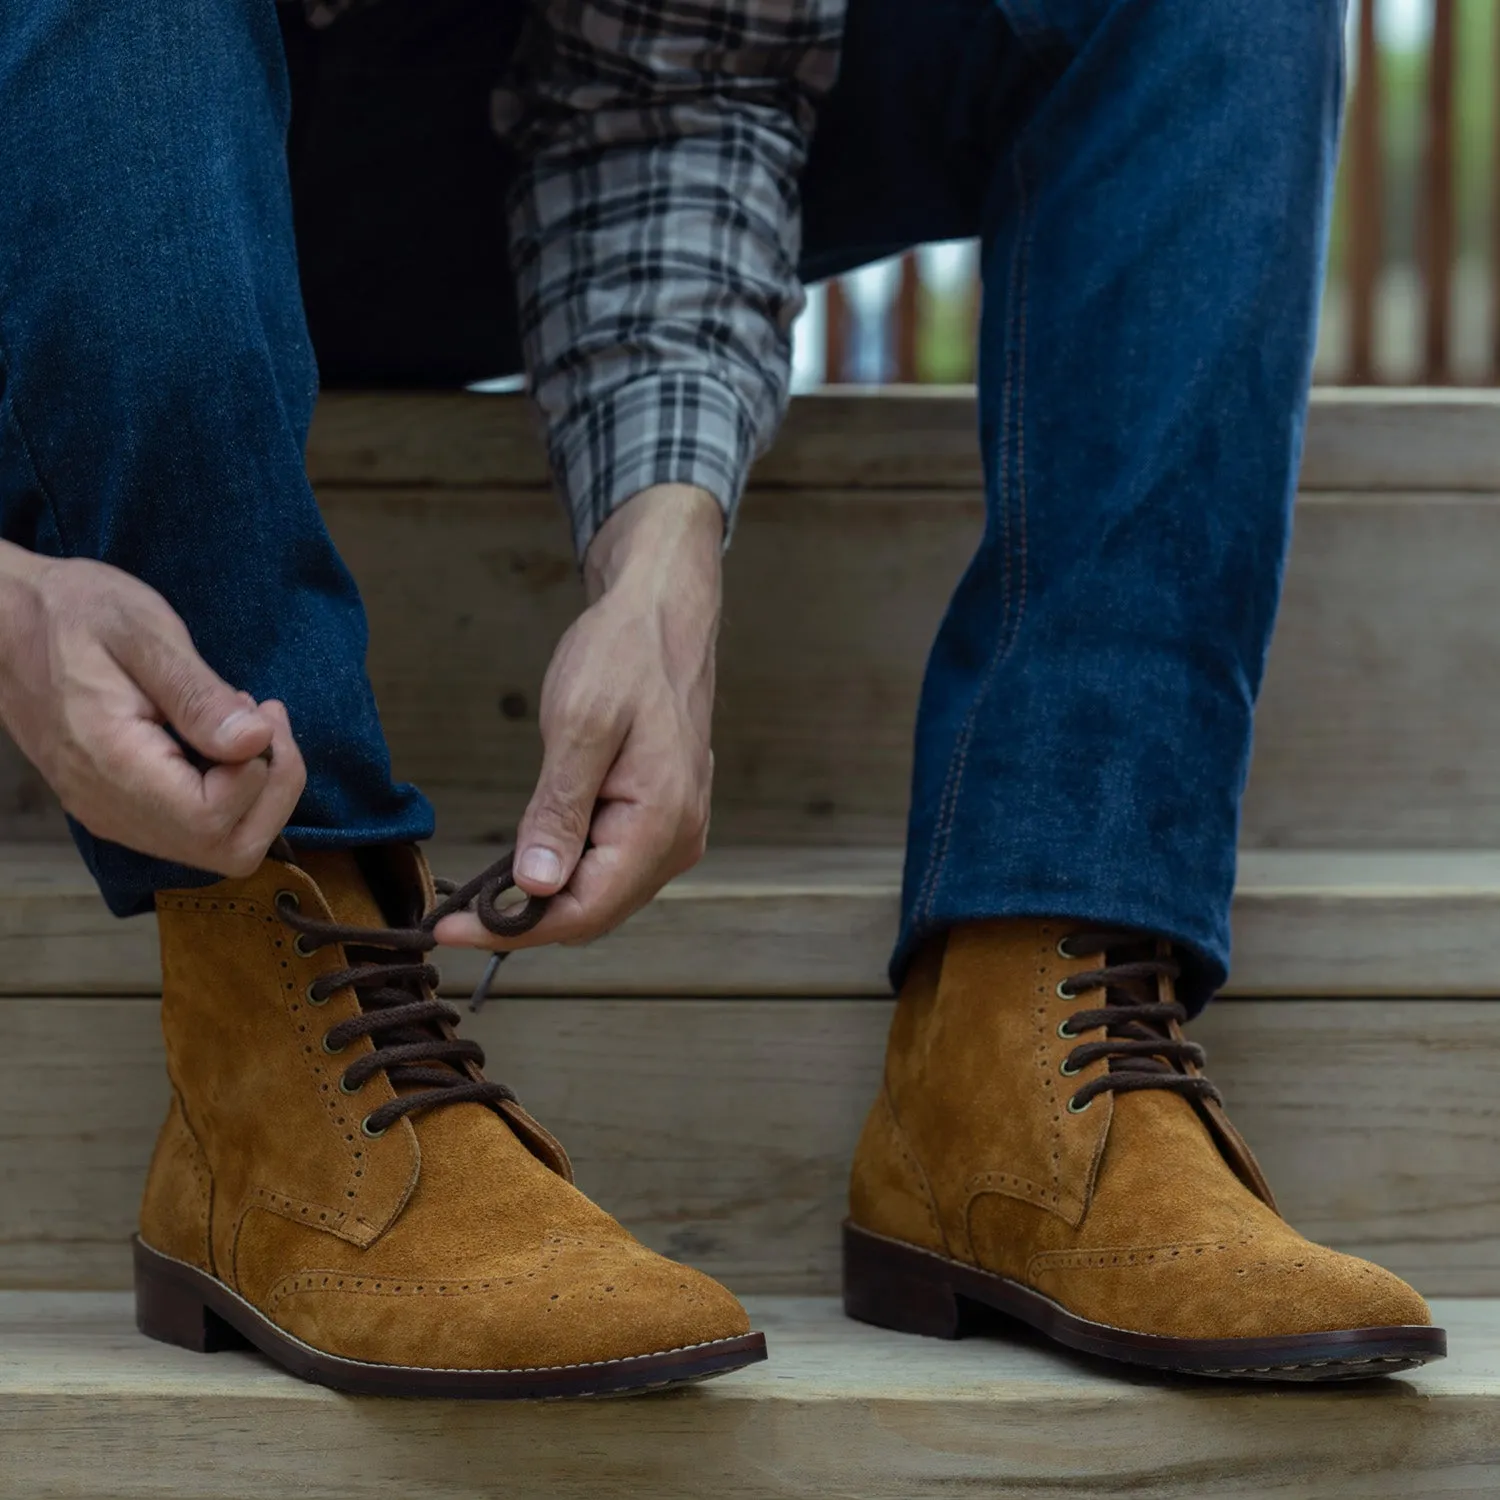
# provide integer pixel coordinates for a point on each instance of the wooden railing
(1403, 277)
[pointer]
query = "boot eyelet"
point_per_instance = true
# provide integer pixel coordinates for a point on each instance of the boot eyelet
(288, 901)
(1063, 951)
(345, 1087)
(1067, 1070)
(373, 1135)
(300, 948)
(1066, 1032)
(314, 998)
(331, 1051)
(1063, 992)
(1075, 1108)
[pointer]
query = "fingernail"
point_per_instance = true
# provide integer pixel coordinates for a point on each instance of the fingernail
(540, 865)
(234, 723)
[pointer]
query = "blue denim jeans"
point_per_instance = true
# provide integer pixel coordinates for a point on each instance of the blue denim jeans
(1150, 180)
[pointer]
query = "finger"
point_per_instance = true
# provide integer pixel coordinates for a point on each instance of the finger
(223, 820)
(217, 720)
(635, 852)
(151, 798)
(285, 780)
(557, 821)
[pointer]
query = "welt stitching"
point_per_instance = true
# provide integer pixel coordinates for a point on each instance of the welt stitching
(1010, 628)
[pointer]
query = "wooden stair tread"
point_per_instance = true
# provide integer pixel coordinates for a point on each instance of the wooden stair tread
(87, 1407)
(888, 438)
(721, 1130)
(804, 922)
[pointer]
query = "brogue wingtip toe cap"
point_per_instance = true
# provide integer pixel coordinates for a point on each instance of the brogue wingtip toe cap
(1247, 1295)
(619, 1307)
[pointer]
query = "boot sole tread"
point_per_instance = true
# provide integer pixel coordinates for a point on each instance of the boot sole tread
(910, 1289)
(179, 1304)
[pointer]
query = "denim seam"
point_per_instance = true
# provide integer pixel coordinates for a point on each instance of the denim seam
(1014, 421)
(13, 419)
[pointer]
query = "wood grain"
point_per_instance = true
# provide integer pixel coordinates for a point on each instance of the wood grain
(90, 1411)
(1382, 697)
(721, 1130)
(923, 437)
(808, 922)
(1382, 694)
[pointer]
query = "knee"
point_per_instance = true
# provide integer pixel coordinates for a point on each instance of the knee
(1246, 47)
(1271, 49)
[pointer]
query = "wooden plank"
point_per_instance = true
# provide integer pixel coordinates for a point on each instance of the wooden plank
(721, 1130)
(908, 319)
(1384, 682)
(893, 437)
(90, 1409)
(835, 332)
(1366, 201)
(1384, 678)
(820, 922)
(1494, 224)
(831, 603)
(1383, 688)
(1437, 224)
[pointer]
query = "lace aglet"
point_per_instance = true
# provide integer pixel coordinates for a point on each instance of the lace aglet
(482, 989)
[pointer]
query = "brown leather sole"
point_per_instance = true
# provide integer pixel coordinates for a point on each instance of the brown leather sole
(176, 1303)
(898, 1286)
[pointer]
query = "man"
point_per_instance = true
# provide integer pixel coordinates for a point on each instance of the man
(336, 1180)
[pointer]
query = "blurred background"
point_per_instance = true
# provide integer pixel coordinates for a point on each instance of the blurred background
(1415, 260)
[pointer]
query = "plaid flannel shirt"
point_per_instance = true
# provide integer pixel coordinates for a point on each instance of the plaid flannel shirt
(655, 231)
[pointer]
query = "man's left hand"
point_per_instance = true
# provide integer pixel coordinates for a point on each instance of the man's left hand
(625, 717)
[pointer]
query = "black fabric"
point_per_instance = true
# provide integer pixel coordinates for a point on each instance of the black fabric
(398, 186)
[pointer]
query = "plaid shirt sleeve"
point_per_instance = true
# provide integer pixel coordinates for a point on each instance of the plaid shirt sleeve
(655, 233)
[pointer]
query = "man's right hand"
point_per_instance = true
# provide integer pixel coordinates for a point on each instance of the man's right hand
(94, 665)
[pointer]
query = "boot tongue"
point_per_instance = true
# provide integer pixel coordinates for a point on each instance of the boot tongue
(337, 874)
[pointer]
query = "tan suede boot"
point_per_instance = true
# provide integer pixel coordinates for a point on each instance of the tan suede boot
(1046, 1145)
(338, 1185)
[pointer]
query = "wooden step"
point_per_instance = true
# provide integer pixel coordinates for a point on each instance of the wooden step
(1382, 698)
(760, 921)
(91, 1411)
(721, 1130)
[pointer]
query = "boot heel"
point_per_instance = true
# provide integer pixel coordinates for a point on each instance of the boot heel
(172, 1313)
(894, 1288)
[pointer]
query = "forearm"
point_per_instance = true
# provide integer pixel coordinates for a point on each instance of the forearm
(669, 538)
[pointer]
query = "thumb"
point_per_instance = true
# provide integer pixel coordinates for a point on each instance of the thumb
(556, 825)
(216, 719)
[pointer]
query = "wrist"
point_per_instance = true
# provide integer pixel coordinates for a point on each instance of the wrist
(667, 536)
(19, 572)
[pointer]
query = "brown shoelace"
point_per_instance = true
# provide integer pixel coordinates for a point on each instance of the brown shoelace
(1137, 1039)
(406, 1026)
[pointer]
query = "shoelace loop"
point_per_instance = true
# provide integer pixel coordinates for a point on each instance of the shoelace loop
(1137, 1025)
(413, 1044)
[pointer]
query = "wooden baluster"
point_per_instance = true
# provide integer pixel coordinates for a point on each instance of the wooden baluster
(1366, 234)
(1437, 208)
(976, 318)
(908, 319)
(1495, 228)
(835, 334)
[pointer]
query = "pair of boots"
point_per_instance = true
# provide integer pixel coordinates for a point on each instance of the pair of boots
(338, 1184)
